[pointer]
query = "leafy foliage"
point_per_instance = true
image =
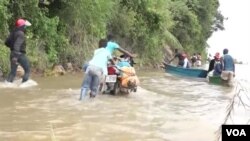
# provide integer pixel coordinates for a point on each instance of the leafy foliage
(4, 59)
(4, 16)
(68, 31)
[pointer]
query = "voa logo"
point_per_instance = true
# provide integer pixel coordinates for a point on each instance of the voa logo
(236, 132)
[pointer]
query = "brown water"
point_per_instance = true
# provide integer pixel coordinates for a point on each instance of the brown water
(165, 108)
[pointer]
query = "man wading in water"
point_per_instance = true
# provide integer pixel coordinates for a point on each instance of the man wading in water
(16, 43)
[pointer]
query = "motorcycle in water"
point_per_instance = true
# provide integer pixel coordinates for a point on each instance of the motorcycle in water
(121, 80)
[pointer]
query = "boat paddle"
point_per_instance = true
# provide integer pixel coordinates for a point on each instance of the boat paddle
(167, 63)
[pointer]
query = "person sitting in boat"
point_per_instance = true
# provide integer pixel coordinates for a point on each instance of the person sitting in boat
(186, 63)
(193, 59)
(179, 56)
(198, 61)
(211, 65)
(182, 59)
(217, 65)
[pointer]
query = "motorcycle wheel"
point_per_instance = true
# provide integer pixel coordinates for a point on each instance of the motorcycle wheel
(116, 89)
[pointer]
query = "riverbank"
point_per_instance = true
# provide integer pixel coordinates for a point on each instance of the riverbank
(71, 68)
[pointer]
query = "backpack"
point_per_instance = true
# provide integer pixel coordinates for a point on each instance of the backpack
(8, 42)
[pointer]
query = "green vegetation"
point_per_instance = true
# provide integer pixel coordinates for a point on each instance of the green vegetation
(68, 30)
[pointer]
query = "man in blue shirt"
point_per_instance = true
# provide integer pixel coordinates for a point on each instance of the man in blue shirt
(228, 67)
(227, 62)
(112, 46)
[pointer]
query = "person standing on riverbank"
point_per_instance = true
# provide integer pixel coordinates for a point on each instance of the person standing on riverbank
(97, 67)
(16, 42)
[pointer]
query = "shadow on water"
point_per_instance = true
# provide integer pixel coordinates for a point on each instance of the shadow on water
(164, 108)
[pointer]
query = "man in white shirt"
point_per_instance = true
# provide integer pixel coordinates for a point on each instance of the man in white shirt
(96, 69)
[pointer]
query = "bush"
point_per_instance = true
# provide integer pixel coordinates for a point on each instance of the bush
(4, 59)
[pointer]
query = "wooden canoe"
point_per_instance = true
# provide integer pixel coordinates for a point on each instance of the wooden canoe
(190, 72)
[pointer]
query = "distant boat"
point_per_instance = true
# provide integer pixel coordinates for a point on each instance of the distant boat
(190, 72)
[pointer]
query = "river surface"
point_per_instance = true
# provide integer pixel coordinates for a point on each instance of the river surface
(165, 108)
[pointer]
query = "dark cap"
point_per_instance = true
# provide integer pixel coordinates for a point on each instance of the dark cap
(225, 51)
(110, 36)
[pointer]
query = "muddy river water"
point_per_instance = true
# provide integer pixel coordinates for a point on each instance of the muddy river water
(165, 108)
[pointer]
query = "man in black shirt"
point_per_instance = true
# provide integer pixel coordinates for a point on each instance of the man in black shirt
(16, 43)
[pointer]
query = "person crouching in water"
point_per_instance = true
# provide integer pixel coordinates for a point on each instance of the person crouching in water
(96, 69)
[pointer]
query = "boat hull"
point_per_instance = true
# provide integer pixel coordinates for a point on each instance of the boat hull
(190, 72)
(218, 81)
(215, 80)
